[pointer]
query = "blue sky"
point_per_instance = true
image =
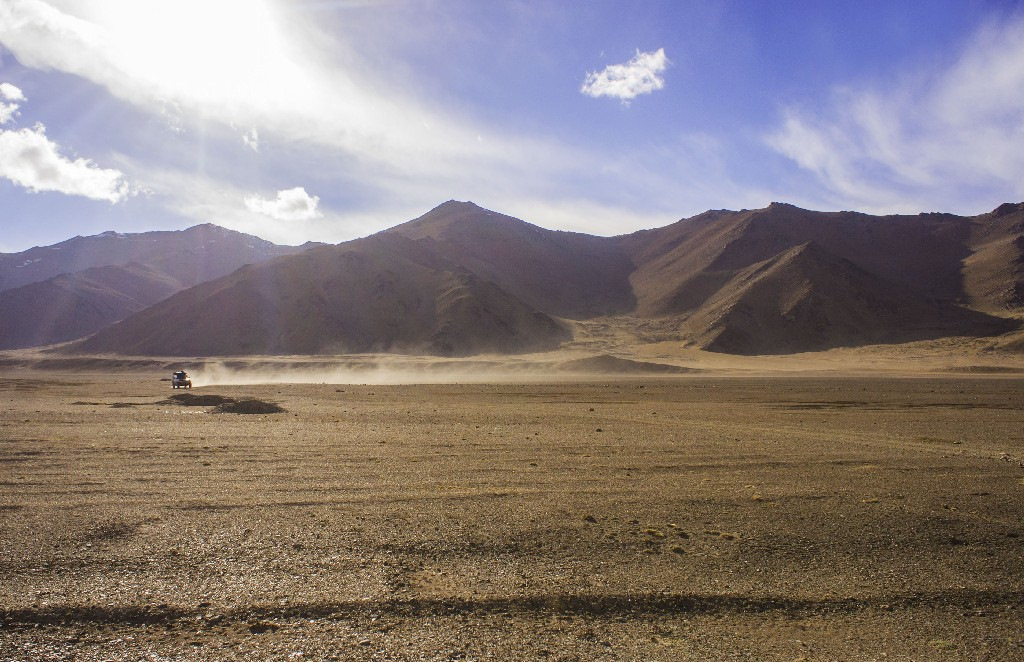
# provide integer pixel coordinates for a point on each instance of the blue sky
(328, 120)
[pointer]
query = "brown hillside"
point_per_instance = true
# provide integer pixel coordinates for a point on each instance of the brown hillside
(807, 299)
(682, 265)
(383, 293)
(75, 305)
(565, 274)
(994, 274)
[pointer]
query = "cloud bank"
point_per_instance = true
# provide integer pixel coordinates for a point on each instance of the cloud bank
(641, 75)
(292, 204)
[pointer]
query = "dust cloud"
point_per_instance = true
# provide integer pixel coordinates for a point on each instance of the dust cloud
(372, 372)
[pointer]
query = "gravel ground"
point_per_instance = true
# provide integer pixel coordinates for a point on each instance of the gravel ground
(789, 517)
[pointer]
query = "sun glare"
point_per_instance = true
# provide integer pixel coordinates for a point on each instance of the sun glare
(209, 51)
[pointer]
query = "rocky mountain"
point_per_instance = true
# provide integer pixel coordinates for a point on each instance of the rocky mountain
(463, 280)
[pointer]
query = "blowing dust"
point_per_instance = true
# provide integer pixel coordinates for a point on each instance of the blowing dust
(374, 373)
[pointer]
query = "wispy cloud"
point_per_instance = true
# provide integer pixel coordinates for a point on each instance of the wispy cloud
(292, 204)
(641, 75)
(31, 160)
(949, 140)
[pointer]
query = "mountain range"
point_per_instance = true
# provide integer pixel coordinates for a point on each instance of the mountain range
(463, 280)
(55, 293)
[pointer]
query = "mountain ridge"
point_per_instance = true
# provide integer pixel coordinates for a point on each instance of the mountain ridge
(195, 254)
(519, 287)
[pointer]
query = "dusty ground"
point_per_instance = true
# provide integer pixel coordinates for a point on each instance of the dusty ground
(785, 516)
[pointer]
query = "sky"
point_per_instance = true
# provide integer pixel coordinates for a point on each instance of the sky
(328, 120)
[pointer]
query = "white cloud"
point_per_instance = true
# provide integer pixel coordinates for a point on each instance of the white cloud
(252, 139)
(641, 75)
(196, 196)
(942, 140)
(30, 159)
(292, 204)
(10, 96)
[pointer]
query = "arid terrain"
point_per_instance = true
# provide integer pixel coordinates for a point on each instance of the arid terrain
(851, 505)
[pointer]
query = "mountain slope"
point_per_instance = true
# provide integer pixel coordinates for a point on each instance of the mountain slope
(71, 306)
(191, 256)
(994, 273)
(806, 299)
(382, 293)
(566, 274)
(683, 264)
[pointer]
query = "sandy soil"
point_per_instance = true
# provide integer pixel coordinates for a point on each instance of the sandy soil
(777, 514)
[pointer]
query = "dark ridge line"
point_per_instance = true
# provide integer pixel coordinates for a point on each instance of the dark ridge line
(562, 604)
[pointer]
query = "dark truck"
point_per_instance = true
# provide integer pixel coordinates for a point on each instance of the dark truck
(181, 379)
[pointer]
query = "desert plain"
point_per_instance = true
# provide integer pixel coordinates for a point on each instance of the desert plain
(847, 505)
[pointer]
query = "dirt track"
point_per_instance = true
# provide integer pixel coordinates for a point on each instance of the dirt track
(664, 518)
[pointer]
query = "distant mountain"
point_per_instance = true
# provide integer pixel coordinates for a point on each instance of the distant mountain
(191, 256)
(70, 306)
(462, 280)
(385, 293)
(72, 289)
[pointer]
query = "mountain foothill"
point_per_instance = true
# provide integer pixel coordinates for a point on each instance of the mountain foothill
(462, 280)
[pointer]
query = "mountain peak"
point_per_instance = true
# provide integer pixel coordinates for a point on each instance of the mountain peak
(456, 205)
(1007, 208)
(782, 207)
